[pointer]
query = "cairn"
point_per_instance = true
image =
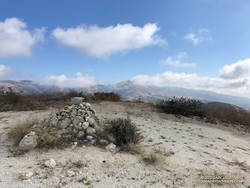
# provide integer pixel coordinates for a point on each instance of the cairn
(76, 123)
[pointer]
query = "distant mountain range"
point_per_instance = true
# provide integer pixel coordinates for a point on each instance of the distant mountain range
(130, 91)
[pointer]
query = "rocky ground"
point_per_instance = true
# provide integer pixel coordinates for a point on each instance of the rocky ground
(198, 150)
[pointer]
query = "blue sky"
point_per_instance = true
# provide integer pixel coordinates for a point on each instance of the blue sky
(198, 44)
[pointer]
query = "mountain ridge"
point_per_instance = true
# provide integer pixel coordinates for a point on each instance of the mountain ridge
(129, 91)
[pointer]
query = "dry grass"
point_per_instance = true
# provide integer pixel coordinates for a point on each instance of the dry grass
(133, 149)
(46, 137)
(163, 151)
(152, 158)
(18, 131)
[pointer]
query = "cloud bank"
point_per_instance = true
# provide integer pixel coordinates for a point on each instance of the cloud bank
(16, 40)
(102, 41)
(5, 71)
(63, 81)
(177, 61)
(239, 69)
(233, 80)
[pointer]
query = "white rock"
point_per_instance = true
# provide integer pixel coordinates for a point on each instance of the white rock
(26, 175)
(87, 104)
(111, 147)
(28, 142)
(77, 100)
(89, 137)
(85, 125)
(51, 163)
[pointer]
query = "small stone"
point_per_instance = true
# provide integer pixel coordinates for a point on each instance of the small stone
(51, 163)
(111, 138)
(111, 147)
(77, 120)
(91, 122)
(80, 134)
(26, 175)
(71, 173)
(77, 100)
(28, 142)
(93, 142)
(85, 125)
(87, 104)
(103, 142)
(65, 123)
(90, 131)
(55, 180)
(89, 138)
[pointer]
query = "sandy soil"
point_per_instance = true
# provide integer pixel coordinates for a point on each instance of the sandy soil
(199, 149)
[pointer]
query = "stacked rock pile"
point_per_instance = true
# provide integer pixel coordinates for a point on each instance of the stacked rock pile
(76, 123)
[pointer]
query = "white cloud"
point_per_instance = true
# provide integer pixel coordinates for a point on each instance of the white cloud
(5, 71)
(177, 61)
(102, 41)
(240, 69)
(16, 40)
(199, 36)
(64, 82)
(238, 84)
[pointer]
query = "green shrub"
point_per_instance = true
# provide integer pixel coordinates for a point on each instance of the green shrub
(124, 133)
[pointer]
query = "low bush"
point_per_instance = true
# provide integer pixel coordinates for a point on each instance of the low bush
(227, 113)
(182, 106)
(25, 102)
(213, 111)
(125, 133)
(102, 96)
(153, 158)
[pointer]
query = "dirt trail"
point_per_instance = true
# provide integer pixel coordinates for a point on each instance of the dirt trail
(198, 148)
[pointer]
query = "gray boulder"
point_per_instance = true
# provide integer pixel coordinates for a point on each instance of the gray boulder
(28, 142)
(90, 131)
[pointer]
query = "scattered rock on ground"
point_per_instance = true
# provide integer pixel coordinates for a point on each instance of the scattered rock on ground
(51, 163)
(71, 173)
(111, 147)
(26, 175)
